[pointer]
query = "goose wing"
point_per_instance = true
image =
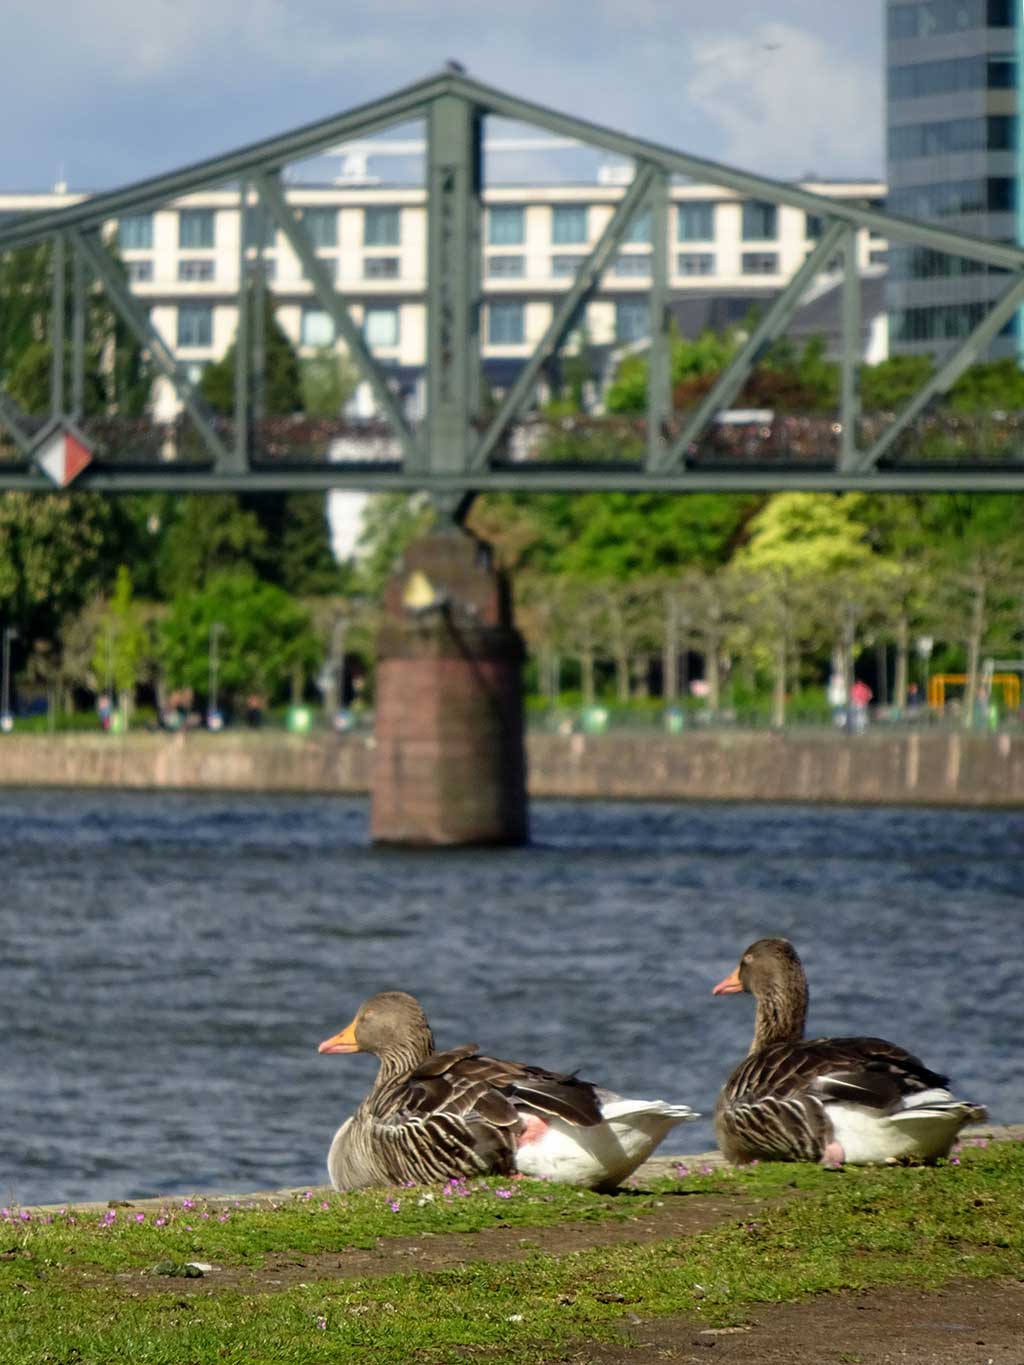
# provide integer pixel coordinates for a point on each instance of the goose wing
(775, 1103)
(461, 1114)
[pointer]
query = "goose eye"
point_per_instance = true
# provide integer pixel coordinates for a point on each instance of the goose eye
(748, 957)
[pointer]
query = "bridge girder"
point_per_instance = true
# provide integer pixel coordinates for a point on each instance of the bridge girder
(454, 451)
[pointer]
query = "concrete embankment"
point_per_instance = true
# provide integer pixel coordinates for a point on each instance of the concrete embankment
(926, 767)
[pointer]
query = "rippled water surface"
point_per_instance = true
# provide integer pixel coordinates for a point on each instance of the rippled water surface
(170, 962)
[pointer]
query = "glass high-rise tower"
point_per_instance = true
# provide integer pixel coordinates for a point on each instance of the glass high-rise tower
(953, 129)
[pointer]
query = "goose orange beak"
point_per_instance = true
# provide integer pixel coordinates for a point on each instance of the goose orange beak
(731, 985)
(345, 1041)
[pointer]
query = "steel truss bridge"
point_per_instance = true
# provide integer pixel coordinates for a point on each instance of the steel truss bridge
(459, 448)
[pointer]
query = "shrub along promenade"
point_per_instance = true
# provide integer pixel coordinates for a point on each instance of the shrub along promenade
(503, 1269)
(900, 766)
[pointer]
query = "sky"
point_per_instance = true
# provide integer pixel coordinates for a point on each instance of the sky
(100, 93)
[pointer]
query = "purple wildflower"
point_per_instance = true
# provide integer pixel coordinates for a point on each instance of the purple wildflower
(503, 1194)
(395, 1205)
(140, 1218)
(321, 1324)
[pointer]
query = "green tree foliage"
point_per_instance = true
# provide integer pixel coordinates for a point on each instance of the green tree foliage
(56, 551)
(118, 379)
(328, 380)
(390, 522)
(266, 636)
(209, 534)
(122, 640)
(282, 380)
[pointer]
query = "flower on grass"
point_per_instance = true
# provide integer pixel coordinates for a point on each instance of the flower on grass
(395, 1205)
(504, 1194)
(324, 1204)
(682, 1171)
(161, 1222)
(954, 1161)
(321, 1324)
(188, 1203)
(140, 1218)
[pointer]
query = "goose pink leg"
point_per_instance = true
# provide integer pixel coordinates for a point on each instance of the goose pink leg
(833, 1155)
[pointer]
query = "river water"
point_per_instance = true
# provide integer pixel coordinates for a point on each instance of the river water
(170, 963)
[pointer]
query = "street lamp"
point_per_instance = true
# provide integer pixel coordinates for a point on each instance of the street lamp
(214, 719)
(925, 644)
(6, 718)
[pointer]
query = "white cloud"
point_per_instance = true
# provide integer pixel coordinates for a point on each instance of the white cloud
(786, 98)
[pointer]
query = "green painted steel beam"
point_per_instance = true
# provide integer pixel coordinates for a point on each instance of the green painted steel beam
(137, 320)
(272, 153)
(731, 380)
(743, 182)
(565, 311)
(9, 420)
(454, 183)
(849, 365)
(58, 272)
(184, 478)
(970, 350)
(333, 304)
(240, 448)
(659, 359)
(265, 156)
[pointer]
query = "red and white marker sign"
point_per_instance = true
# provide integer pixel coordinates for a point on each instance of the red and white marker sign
(63, 457)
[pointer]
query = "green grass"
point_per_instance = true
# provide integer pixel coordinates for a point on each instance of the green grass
(70, 1294)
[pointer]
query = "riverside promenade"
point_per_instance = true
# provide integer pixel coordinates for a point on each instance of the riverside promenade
(904, 767)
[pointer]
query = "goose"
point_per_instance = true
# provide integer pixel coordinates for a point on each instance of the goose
(833, 1100)
(433, 1115)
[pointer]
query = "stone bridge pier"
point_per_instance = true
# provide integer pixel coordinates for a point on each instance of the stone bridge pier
(449, 763)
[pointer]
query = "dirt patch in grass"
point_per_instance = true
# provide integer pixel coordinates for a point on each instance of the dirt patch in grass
(970, 1322)
(674, 1216)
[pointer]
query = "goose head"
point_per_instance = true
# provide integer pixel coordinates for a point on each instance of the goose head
(771, 971)
(391, 1025)
(768, 963)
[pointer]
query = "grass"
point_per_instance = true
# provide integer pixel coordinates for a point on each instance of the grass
(73, 1293)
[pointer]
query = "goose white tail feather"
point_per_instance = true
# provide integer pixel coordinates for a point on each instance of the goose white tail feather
(603, 1155)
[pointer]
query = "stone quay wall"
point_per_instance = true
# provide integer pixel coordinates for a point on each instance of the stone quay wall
(928, 767)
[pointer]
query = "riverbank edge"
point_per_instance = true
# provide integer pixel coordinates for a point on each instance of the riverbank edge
(657, 1168)
(927, 767)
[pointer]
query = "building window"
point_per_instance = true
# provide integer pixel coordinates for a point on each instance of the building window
(696, 222)
(380, 327)
(506, 225)
(135, 233)
(695, 263)
(255, 218)
(195, 324)
(195, 229)
(879, 256)
(951, 75)
(321, 224)
(380, 267)
(568, 223)
(639, 229)
(814, 226)
(997, 194)
(139, 272)
(759, 263)
(382, 227)
(996, 133)
(506, 267)
(760, 221)
(562, 266)
(948, 16)
(194, 269)
(632, 319)
(316, 328)
(633, 263)
(506, 323)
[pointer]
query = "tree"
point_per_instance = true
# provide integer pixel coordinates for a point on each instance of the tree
(122, 642)
(390, 522)
(118, 378)
(209, 534)
(266, 636)
(328, 380)
(282, 383)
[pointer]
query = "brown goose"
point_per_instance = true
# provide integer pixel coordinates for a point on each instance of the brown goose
(860, 1100)
(432, 1115)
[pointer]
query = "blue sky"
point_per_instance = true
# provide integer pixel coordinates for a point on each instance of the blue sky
(108, 91)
